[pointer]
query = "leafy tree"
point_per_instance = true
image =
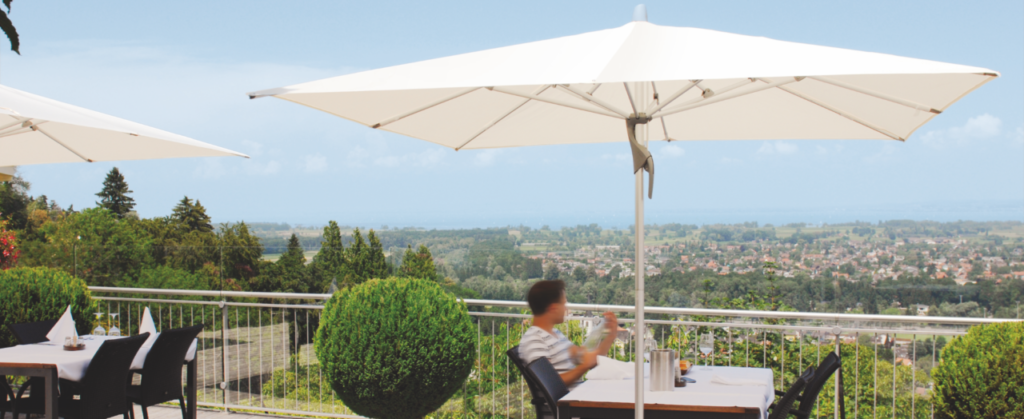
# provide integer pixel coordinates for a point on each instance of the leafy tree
(290, 269)
(241, 252)
(114, 196)
(376, 263)
(418, 264)
(551, 272)
(95, 246)
(8, 28)
(14, 201)
(192, 216)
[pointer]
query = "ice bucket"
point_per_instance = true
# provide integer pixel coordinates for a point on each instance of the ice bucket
(664, 367)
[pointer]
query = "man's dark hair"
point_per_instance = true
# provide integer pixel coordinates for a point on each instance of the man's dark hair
(543, 294)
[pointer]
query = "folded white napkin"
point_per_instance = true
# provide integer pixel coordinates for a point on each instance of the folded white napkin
(718, 379)
(609, 369)
(146, 325)
(65, 327)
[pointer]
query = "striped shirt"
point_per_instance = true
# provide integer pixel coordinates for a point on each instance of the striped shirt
(537, 342)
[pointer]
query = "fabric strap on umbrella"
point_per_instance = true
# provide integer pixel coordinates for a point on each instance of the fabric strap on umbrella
(6, 173)
(642, 158)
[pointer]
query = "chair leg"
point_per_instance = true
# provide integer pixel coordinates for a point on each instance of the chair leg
(181, 402)
(131, 410)
(145, 413)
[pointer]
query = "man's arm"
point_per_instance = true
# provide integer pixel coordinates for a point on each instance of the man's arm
(573, 375)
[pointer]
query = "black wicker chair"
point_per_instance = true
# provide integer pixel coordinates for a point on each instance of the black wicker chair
(782, 407)
(26, 334)
(828, 366)
(101, 393)
(542, 408)
(161, 374)
(6, 397)
(550, 384)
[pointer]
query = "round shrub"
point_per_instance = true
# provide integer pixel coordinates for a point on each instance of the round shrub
(982, 374)
(395, 348)
(37, 294)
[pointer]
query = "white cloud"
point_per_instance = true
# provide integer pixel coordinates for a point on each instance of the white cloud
(486, 157)
(253, 148)
(883, 155)
(316, 163)
(777, 147)
(672, 150)
(1018, 136)
(210, 168)
(978, 127)
(257, 168)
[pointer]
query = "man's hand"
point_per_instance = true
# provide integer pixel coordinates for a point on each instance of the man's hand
(611, 322)
(589, 360)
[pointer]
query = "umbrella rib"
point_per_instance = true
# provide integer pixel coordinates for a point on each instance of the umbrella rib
(496, 121)
(893, 99)
(593, 100)
(554, 102)
(422, 108)
(702, 101)
(675, 96)
(842, 113)
(36, 128)
(629, 94)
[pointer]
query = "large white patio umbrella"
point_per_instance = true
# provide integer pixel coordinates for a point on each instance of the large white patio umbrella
(643, 82)
(38, 130)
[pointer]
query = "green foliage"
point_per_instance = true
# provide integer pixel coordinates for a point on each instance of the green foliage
(192, 216)
(14, 202)
(8, 28)
(395, 348)
(980, 374)
(114, 196)
(329, 263)
(37, 294)
(418, 264)
(96, 246)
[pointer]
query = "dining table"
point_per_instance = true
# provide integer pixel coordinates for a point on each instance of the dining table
(51, 362)
(707, 398)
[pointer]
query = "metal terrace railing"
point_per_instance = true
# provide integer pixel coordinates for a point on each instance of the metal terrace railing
(256, 353)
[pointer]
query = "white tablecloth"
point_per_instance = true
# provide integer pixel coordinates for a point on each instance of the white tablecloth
(71, 365)
(701, 393)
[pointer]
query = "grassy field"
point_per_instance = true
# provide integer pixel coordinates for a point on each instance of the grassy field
(273, 257)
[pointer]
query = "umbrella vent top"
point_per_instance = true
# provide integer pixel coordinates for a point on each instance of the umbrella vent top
(640, 13)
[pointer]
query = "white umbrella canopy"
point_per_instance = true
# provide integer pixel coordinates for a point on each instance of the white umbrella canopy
(660, 83)
(38, 130)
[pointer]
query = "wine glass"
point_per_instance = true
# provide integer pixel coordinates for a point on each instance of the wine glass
(113, 330)
(99, 330)
(706, 344)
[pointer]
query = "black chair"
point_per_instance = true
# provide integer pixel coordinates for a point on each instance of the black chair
(6, 397)
(539, 404)
(782, 407)
(161, 374)
(828, 366)
(550, 384)
(101, 393)
(26, 334)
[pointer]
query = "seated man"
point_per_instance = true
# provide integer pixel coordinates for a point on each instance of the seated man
(547, 301)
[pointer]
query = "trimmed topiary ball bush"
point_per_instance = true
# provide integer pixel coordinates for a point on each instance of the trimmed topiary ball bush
(982, 374)
(395, 348)
(36, 294)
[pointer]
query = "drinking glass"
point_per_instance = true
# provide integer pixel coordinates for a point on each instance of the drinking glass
(99, 330)
(113, 330)
(706, 344)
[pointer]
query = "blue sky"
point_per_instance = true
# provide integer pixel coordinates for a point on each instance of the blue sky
(185, 67)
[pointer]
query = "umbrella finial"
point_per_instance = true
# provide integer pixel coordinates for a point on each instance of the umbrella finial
(640, 13)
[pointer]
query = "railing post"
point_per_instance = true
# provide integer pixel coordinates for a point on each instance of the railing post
(838, 331)
(224, 352)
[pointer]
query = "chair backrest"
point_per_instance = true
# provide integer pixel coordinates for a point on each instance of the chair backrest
(103, 386)
(828, 366)
(785, 404)
(531, 381)
(35, 332)
(161, 373)
(549, 383)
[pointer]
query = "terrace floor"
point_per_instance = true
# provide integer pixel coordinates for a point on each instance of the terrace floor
(174, 412)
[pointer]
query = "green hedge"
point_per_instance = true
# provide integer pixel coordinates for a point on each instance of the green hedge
(982, 374)
(395, 348)
(36, 294)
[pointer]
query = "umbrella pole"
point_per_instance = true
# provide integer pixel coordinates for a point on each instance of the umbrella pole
(639, 326)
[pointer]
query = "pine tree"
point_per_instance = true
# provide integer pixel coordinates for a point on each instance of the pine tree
(376, 262)
(329, 263)
(114, 196)
(192, 216)
(418, 264)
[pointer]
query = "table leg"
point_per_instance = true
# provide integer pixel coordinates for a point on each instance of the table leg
(190, 398)
(51, 393)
